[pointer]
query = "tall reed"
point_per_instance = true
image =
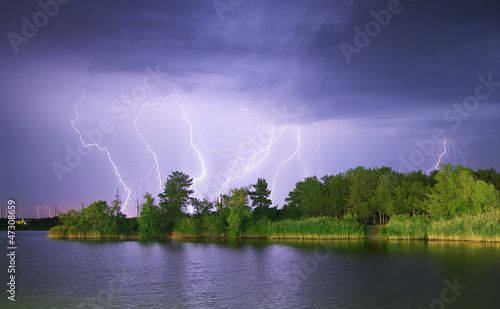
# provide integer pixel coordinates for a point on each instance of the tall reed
(402, 227)
(481, 227)
(315, 228)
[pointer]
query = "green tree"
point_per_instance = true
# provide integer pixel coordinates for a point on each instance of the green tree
(199, 222)
(308, 198)
(451, 194)
(489, 176)
(151, 220)
(116, 222)
(485, 197)
(313, 199)
(400, 203)
(443, 193)
(70, 218)
(361, 188)
(466, 183)
(260, 200)
(337, 189)
(383, 197)
(291, 210)
(218, 220)
(417, 193)
(95, 218)
(239, 215)
(175, 197)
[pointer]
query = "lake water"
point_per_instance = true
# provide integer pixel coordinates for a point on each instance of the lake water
(251, 274)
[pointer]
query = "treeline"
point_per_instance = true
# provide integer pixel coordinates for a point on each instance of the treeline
(332, 206)
(375, 195)
(97, 221)
(243, 212)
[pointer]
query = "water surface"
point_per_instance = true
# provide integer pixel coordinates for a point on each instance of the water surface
(252, 274)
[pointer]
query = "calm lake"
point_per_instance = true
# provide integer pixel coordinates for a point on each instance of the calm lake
(251, 274)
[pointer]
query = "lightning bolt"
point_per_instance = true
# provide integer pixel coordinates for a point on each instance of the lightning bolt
(253, 161)
(119, 172)
(297, 151)
(240, 167)
(104, 149)
(440, 159)
(460, 153)
(155, 156)
(260, 156)
(38, 211)
(445, 154)
(48, 210)
(191, 134)
(156, 164)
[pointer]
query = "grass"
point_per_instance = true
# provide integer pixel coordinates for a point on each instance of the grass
(73, 232)
(58, 231)
(402, 227)
(480, 227)
(315, 228)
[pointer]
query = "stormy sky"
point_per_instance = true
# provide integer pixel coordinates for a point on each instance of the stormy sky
(231, 90)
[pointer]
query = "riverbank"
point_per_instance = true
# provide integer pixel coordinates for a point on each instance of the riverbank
(484, 227)
(480, 228)
(310, 228)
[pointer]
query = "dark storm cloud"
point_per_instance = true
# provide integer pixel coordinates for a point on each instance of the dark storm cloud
(430, 52)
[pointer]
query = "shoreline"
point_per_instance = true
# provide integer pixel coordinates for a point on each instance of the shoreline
(290, 237)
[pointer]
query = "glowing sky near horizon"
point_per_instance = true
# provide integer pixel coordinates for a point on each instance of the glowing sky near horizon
(171, 86)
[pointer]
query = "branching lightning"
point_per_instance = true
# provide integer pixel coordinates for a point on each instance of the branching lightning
(191, 134)
(101, 149)
(253, 161)
(241, 164)
(156, 165)
(440, 159)
(445, 154)
(297, 151)
(259, 156)
(461, 154)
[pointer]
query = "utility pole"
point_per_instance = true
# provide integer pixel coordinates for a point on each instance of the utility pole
(83, 206)
(138, 208)
(55, 211)
(117, 197)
